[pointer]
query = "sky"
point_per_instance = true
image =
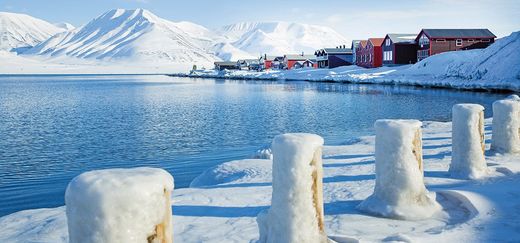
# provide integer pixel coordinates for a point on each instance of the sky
(353, 19)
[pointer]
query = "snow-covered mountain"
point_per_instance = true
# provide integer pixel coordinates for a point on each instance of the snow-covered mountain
(139, 35)
(136, 35)
(280, 37)
(23, 31)
(64, 25)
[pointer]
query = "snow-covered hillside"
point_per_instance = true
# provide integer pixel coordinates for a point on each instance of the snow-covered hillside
(129, 35)
(280, 37)
(22, 31)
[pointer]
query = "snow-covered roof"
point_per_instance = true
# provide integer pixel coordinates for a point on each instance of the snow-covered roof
(300, 57)
(402, 38)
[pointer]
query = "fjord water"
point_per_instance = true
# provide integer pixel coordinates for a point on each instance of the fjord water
(53, 128)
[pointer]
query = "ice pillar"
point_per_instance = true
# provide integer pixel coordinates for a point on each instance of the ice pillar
(120, 205)
(506, 126)
(468, 146)
(399, 191)
(296, 213)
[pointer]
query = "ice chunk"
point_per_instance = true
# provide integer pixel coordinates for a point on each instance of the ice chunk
(296, 213)
(468, 146)
(506, 126)
(399, 191)
(120, 205)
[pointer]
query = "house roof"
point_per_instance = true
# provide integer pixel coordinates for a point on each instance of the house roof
(376, 41)
(338, 50)
(402, 38)
(268, 58)
(225, 63)
(355, 43)
(458, 33)
(300, 57)
(363, 43)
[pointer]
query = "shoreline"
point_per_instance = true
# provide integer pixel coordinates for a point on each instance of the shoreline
(252, 75)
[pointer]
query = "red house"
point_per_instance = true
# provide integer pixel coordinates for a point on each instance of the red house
(360, 53)
(371, 53)
(435, 41)
(267, 61)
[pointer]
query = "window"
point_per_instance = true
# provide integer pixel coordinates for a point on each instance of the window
(458, 42)
(440, 40)
(390, 55)
(471, 40)
(486, 40)
(387, 42)
(424, 40)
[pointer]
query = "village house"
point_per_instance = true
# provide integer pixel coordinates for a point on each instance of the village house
(248, 64)
(304, 64)
(372, 53)
(435, 41)
(220, 66)
(290, 60)
(334, 57)
(360, 53)
(266, 62)
(353, 47)
(399, 49)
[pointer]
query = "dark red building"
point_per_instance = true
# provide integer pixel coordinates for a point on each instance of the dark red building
(399, 49)
(435, 41)
(371, 53)
(360, 53)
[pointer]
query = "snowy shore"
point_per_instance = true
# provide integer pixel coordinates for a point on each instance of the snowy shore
(494, 68)
(222, 204)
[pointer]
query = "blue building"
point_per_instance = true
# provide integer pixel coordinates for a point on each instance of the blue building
(334, 57)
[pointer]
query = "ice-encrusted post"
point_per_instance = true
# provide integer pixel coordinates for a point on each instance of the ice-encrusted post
(296, 214)
(120, 205)
(399, 191)
(506, 126)
(468, 146)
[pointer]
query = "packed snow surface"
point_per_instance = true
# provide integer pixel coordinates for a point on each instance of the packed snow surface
(296, 211)
(483, 210)
(117, 205)
(24, 31)
(468, 160)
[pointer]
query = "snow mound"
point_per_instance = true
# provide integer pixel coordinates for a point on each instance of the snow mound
(119, 205)
(23, 31)
(136, 35)
(235, 172)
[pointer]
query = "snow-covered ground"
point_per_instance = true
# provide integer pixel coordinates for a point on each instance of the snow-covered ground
(222, 204)
(496, 67)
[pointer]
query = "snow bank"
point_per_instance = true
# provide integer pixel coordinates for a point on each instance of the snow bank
(468, 160)
(506, 126)
(296, 213)
(120, 205)
(399, 191)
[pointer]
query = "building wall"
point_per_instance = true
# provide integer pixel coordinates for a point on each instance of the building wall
(405, 54)
(268, 64)
(336, 60)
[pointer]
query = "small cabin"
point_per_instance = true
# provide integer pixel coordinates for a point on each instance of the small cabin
(303, 64)
(360, 53)
(435, 41)
(248, 64)
(290, 60)
(266, 62)
(220, 66)
(399, 49)
(371, 53)
(334, 57)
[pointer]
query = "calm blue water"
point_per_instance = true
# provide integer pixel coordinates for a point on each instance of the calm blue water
(52, 128)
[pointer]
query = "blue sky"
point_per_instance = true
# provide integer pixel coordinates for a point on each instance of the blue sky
(353, 19)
